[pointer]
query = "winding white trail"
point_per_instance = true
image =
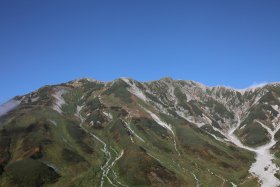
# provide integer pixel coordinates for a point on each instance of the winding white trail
(218, 176)
(114, 162)
(263, 168)
(107, 166)
(197, 184)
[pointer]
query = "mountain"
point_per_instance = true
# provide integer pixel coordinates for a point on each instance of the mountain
(129, 133)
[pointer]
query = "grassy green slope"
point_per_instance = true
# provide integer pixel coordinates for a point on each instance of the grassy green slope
(138, 152)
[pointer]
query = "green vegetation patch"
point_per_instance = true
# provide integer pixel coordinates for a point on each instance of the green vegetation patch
(158, 136)
(143, 123)
(194, 108)
(94, 104)
(29, 173)
(5, 142)
(253, 134)
(71, 156)
(79, 137)
(219, 108)
(257, 112)
(89, 85)
(119, 89)
(140, 169)
(182, 98)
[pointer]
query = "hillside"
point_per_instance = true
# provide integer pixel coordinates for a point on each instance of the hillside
(129, 133)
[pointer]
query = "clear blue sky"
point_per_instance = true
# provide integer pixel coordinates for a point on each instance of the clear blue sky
(226, 42)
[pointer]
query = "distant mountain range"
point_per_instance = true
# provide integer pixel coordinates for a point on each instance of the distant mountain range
(128, 133)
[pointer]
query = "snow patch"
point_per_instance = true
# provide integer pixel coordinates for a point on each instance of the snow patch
(135, 90)
(263, 168)
(275, 107)
(108, 115)
(35, 99)
(208, 120)
(161, 123)
(59, 100)
(53, 122)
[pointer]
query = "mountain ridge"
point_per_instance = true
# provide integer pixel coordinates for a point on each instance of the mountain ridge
(240, 90)
(183, 120)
